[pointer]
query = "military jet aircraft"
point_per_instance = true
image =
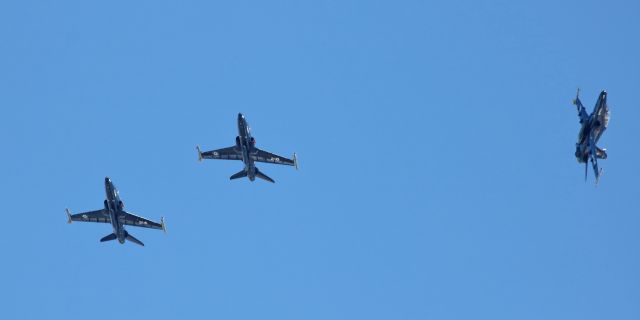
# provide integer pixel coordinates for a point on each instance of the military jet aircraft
(115, 214)
(593, 125)
(245, 150)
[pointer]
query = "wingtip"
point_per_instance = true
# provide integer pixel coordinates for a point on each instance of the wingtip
(68, 215)
(199, 153)
(164, 227)
(295, 160)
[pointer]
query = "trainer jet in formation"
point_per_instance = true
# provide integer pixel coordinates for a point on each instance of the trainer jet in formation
(245, 150)
(115, 214)
(593, 125)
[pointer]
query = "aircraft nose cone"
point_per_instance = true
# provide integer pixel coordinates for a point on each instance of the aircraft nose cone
(240, 116)
(107, 180)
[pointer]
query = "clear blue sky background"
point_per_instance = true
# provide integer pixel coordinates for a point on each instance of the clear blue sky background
(436, 144)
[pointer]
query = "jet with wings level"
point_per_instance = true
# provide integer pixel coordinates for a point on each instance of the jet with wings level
(114, 213)
(245, 149)
(592, 127)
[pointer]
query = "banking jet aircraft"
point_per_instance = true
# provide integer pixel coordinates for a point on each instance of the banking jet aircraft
(245, 150)
(593, 125)
(114, 214)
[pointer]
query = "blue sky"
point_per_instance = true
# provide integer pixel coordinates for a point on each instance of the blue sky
(436, 144)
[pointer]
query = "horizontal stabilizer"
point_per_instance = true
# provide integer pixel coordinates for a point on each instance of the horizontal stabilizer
(134, 240)
(109, 237)
(238, 175)
(263, 176)
(601, 153)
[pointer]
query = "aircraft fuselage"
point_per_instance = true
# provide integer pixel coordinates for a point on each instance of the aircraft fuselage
(246, 143)
(114, 206)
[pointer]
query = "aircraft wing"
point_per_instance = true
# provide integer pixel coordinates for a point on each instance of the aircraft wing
(603, 115)
(99, 216)
(582, 112)
(264, 156)
(131, 219)
(229, 153)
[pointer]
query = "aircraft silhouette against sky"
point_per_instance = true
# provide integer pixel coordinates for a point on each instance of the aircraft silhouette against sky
(245, 150)
(114, 213)
(592, 127)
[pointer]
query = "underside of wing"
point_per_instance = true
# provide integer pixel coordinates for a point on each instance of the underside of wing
(582, 112)
(131, 219)
(230, 153)
(603, 115)
(99, 216)
(264, 156)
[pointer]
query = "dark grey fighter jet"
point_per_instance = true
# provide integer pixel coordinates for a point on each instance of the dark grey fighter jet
(114, 214)
(245, 150)
(593, 125)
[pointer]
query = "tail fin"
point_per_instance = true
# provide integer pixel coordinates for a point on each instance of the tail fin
(263, 176)
(134, 240)
(238, 175)
(109, 237)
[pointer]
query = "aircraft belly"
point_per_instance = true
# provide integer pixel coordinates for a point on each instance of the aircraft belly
(121, 234)
(584, 132)
(597, 134)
